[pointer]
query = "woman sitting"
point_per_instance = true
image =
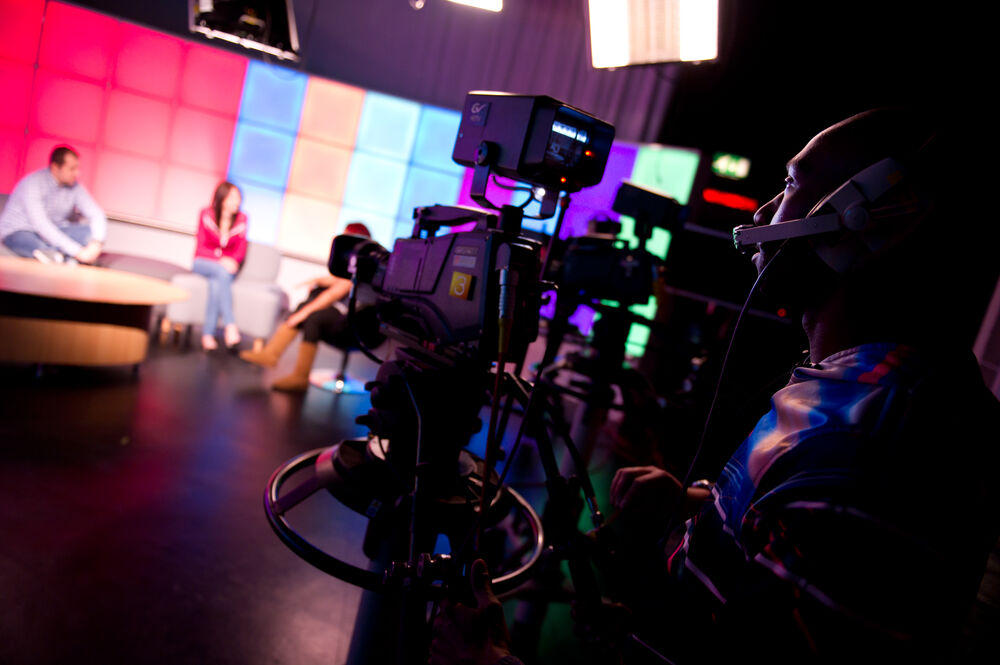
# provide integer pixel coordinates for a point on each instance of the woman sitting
(323, 316)
(219, 253)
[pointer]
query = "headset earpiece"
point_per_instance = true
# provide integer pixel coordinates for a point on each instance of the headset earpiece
(843, 228)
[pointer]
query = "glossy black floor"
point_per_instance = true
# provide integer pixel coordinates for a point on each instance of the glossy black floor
(132, 528)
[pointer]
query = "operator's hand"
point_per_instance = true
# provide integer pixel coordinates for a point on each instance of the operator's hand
(464, 635)
(229, 264)
(89, 252)
(644, 488)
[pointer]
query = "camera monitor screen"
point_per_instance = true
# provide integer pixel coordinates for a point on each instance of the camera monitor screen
(533, 139)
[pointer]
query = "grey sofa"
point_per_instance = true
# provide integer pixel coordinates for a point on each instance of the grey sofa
(258, 301)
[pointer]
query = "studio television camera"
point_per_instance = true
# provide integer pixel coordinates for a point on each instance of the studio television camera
(461, 305)
(446, 294)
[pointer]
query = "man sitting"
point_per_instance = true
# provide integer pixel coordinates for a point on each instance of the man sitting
(50, 216)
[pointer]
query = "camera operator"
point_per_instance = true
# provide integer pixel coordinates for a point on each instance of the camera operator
(854, 522)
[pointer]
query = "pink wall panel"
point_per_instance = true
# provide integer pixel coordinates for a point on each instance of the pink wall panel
(39, 148)
(212, 80)
(319, 170)
(11, 149)
(20, 29)
(201, 140)
(66, 107)
(77, 41)
(148, 61)
(15, 82)
(136, 124)
(184, 194)
(331, 111)
(126, 184)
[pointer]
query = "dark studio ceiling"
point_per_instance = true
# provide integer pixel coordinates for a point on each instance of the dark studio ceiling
(787, 68)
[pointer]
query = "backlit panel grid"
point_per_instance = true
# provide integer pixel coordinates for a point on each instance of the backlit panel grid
(433, 178)
(20, 32)
(264, 143)
(20, 29)
(205, 104)
(151, 115)
(15, 81)
(379, 170)
(321, 161)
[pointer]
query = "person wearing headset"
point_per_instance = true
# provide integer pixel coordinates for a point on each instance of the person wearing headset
(854, 523)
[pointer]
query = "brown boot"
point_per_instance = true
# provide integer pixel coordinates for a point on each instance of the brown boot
(298, 380)
(269, 355)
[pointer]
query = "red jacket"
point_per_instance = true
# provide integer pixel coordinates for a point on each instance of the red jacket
(209, 246)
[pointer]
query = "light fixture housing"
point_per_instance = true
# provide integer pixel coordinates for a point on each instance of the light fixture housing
(489, 5)
(637, 32)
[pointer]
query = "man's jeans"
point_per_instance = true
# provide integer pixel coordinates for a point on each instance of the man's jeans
(24, 243)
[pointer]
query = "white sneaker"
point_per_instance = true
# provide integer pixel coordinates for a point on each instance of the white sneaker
(48, 256)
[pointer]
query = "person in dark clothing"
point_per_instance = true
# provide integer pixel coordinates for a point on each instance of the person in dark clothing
(321, 317)
(836, 531)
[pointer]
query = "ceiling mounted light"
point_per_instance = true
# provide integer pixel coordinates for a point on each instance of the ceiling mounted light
(635, 32)
(491, 5)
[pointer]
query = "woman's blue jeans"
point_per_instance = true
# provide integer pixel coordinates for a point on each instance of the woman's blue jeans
(220, 294)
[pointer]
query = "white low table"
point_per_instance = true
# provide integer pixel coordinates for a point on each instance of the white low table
(55, 314)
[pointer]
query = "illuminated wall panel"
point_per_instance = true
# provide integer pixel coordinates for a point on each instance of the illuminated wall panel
(201, 140)
(436, 138)
(666, 169)
(262, 206)
(307, 226)
(425, 187)
(319, 170)
(66, 107)
(78, 42)
(388, 126)
(260, 156)
(375, 184)
(126, 184)
(15, 82)
(183, 194)
(136, 124)
(272, 97)
(138, 49)
(331, 111)
(20, 29)
(11, 148)
(212, 80)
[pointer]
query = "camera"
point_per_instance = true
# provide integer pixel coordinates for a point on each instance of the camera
(457, 302)
(457, 296)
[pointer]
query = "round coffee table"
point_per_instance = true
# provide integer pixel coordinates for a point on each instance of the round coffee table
(55, 314)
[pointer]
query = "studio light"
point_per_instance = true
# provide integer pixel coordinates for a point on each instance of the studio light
(633, 32)
(491, 5)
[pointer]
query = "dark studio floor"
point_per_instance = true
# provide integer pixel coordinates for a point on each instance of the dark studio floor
(132, 526)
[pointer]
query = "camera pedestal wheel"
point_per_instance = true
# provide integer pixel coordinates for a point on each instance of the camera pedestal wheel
(356, 473)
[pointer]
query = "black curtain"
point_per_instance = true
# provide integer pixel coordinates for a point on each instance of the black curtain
(437, 54)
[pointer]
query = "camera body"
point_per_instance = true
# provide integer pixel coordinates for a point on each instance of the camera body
(442, 294)
(598, 267)
(466, 296)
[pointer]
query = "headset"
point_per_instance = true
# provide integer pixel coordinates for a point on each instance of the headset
(849, 212)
